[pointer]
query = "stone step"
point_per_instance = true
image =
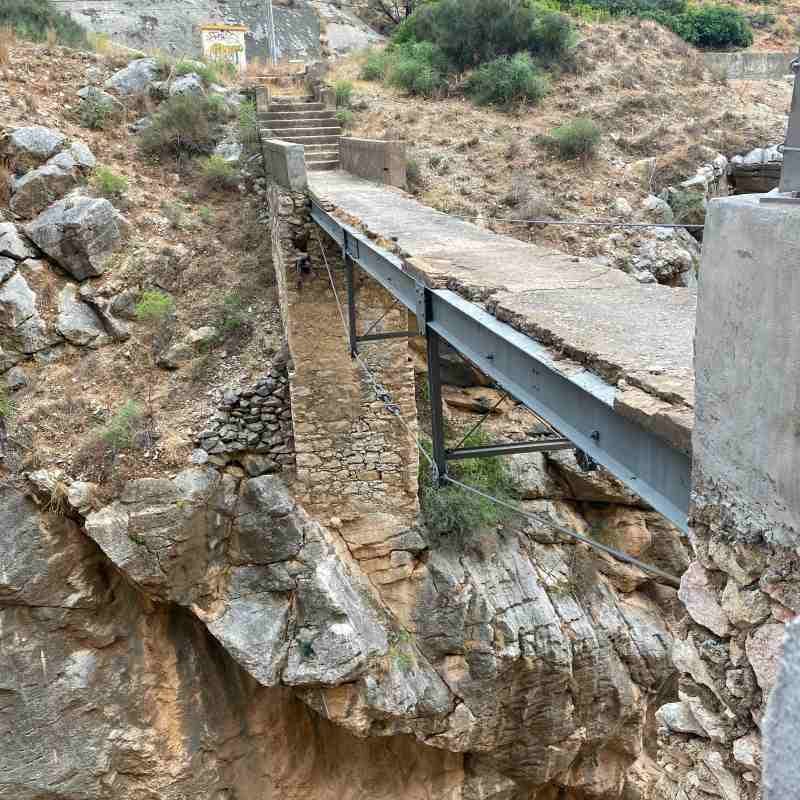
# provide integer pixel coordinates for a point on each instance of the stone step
(290, 116)
(321, 155)
(322, 148)
(309, 130)
(291, 98)
(322, 166)
(307, 139)
(281, 107)
(300, 122)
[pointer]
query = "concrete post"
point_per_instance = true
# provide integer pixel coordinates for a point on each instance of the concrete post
(742, 585)
(262, 98)
(747, 356)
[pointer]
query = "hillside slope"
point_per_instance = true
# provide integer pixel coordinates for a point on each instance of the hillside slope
(647, 90)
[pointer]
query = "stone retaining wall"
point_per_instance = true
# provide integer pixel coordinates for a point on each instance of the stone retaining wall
(750, 65)
(356, 464)
(374, 159)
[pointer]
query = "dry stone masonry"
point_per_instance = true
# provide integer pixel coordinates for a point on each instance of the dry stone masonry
(253, 425)
(356, 463)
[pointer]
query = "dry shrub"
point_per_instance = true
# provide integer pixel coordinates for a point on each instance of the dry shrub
(5, 185)
(7, 40)
(526, 202)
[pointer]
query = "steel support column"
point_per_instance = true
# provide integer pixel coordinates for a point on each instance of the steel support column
(435, 391)
(349, 274)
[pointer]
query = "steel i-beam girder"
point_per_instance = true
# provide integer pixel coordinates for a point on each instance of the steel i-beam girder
(580, 406)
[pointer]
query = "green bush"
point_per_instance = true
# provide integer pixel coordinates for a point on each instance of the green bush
(248, 126)
(217, 173)
(108, 184)
(185, 125)
(233, 316)
(175, 214)
(450, 509)
(344, 93)
(96, 112)
(472, 32)
(154, 306)
(576, 139)
(207, 72)
(32, 19)
(419, 68)
(688, 207)
(376, 65)
(413, 174)
(120, 431)
(344, 116)
(506, 81)
(713, 27)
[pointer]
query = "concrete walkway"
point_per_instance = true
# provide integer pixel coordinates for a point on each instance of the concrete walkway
(590, 316)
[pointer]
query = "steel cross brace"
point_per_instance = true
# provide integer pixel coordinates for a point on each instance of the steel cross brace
(350, 253)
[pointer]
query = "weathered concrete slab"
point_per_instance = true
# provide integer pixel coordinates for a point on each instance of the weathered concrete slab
(587, 314)
(748, 370)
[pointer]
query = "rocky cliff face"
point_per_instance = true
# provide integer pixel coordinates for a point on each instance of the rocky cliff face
(174, 26)
(170, 636)
(105, 693)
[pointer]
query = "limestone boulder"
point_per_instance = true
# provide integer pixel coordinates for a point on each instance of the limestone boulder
(12, 243)
(40, 187)
(80, 234)
(670, 255)
(31, 146)
(77, 322)
(745, 607)
(7, 267)
(135, 78)
(654, 209)
(188, 347)
(678, 718)
(764, 647)
(187, 84)
(699, 595)
(17, 302)
(532, 478)
(84, 157)
(115, 327)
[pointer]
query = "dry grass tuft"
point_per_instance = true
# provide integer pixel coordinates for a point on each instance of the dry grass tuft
(57, 503)
(7, 40)
(5, 185)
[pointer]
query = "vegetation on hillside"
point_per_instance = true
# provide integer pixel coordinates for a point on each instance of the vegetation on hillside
(184, 125)
(450, 509)
(39, 19)
(499, 52)
(510, 43)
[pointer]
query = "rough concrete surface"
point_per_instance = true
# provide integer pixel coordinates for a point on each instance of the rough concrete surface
(174, 25)
(748, 372)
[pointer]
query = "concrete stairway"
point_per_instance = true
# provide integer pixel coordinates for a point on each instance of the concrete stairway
(306, 122)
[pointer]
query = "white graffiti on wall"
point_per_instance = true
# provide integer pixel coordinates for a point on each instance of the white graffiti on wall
(225, 43)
